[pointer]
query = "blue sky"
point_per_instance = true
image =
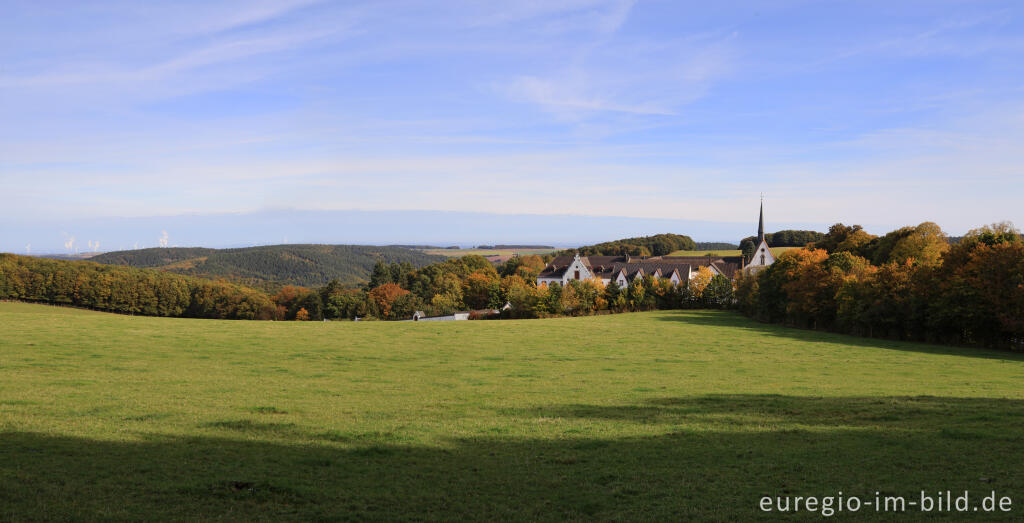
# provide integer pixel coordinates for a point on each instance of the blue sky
(880, 113)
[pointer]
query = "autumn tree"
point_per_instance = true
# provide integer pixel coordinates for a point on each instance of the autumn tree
(613, 296)
(924, 243)
(385, 295)
(699, 281)
(840, 237)
(718, 293)
(522, 296)
(476, 289)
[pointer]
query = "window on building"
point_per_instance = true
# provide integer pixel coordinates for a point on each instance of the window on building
(577, 275)
(762, 259)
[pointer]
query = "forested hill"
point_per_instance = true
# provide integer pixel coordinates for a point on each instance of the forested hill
(657, 245)
(155, 257)
(272, 266)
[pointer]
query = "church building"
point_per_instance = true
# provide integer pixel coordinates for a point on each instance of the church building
(762, 256)
(677, 269)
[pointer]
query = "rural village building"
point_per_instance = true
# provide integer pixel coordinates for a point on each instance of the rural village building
(623, 269)
(677, 269)
(763, 256)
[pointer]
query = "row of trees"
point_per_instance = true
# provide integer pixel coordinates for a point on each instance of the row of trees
(786, 238)
(909, 284)
(396, 291)
(924, 243)
(269, 267)
(128, 290)
(657, 245)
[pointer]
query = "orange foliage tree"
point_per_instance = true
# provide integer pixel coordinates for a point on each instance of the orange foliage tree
(477, 287)
(385, 296)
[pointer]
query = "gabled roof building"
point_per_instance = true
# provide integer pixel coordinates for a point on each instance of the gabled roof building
(762, 256)
(678, 269)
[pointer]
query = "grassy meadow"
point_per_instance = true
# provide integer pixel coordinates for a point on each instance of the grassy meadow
(660, 415)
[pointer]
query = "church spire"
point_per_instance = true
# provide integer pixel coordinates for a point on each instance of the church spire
(760, 223)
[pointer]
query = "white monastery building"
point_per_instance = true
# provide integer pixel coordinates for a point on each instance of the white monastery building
(678, 269)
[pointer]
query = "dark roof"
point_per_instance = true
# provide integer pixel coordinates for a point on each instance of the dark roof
(609, 266)
(728, 269)
(557, 267)
(553, 271)
(648, 268)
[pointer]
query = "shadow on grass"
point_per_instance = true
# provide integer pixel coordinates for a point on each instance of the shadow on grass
(735, 320)
(712, 458)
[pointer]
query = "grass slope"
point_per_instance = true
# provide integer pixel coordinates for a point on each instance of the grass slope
(661, 415)
(271, 266)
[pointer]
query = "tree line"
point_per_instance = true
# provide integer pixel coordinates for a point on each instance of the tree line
(656, 245)
(129, 290)
(270, 267)
(909, 284)
(786, 238)
(398, 290)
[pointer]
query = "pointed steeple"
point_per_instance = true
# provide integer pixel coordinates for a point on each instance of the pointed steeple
(760, 223)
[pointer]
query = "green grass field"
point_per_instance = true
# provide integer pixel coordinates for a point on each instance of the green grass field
(719, 252)
(775, 250)
(657, 416)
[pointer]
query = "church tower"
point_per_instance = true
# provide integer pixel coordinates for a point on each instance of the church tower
(762, 256)
(760, 223)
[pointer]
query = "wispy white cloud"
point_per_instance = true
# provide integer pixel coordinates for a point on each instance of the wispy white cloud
(604, 16)
(218, 53)
(946, 37)
(587, 107)
(568, 95)
(250, 13)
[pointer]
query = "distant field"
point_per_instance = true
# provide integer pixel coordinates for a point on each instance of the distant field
(486, 252)
(705, 253)
(668, 415)
(775, 250)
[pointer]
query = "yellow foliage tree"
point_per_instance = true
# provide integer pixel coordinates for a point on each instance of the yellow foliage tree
(700, 281)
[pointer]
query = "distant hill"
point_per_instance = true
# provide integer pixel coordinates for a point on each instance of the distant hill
(500, 247)
(424, 247)
(154, 257)
(657, 245)
(272, 266)
(59, 256)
